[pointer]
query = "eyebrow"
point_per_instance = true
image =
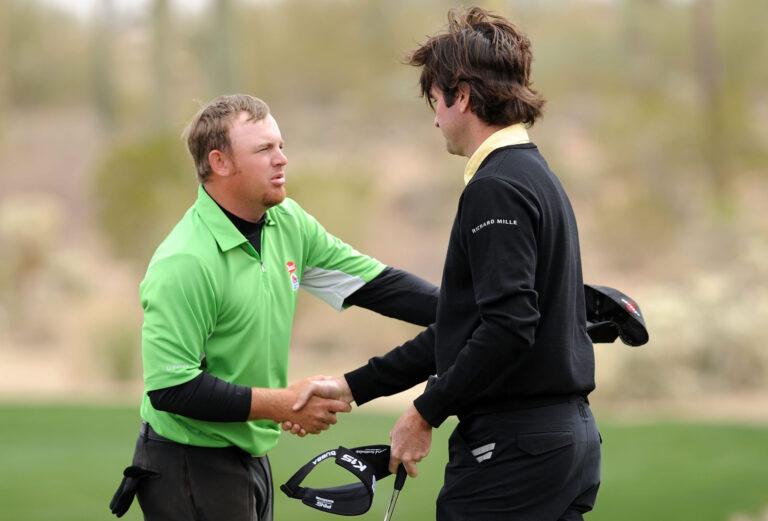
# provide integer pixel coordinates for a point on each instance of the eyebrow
(269, 144)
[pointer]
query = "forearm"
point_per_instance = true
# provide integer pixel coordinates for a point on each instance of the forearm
(205, 398)
(486, 358)
(269, 404)
(398, 294)
(209, 398)
(396, 371)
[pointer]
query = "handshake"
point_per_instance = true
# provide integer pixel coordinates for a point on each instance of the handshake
(311, 404)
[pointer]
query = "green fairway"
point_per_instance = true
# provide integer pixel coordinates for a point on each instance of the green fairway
(64, 462)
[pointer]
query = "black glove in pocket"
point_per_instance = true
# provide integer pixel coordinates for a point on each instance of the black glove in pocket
(123, 498)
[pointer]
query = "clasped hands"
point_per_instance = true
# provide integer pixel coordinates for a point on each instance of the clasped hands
(314, 403)
(410, 438)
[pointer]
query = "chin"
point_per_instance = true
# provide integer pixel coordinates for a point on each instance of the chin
(274, 199)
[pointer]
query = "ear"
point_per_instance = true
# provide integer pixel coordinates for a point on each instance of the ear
(220, 163)
(463, 93)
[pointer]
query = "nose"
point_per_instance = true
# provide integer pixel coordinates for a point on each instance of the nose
(280, 158)
(436, 123)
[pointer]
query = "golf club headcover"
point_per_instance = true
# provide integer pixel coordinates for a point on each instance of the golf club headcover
(612, 314)
(368, 464)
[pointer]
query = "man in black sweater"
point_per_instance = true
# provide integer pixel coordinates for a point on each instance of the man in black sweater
(510, 346)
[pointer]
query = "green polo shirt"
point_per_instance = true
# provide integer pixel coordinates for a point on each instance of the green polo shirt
(208, 293)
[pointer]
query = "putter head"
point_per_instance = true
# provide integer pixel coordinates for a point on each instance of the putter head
(612, 314)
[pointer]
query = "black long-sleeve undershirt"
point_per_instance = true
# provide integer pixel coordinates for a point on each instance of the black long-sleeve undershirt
(205, 397)
(398, 294)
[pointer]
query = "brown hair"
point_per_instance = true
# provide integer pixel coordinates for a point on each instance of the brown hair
(209, 129)
(492, 56)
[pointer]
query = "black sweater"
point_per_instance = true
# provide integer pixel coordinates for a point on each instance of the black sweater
(510, 330)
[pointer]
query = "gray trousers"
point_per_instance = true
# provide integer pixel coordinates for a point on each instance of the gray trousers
(539, 464)
(201, 483)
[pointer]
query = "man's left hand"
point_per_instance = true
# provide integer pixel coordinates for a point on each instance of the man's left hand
(411, 439)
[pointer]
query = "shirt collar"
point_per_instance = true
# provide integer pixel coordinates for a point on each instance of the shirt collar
(512, 135)
(226, 234)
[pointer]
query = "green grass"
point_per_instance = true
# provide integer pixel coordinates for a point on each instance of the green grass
(64, 463)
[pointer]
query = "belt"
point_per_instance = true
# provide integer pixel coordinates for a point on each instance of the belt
(517, 404)
(148, 433)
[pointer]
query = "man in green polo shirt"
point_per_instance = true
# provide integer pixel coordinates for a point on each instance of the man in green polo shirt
(219, 297)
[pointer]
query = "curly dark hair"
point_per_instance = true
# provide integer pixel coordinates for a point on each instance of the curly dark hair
(490, 55)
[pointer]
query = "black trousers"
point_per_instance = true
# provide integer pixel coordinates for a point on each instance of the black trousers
(201, 483)
(540, 464)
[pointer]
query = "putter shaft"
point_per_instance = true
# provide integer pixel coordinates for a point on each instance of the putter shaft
(392, 502)
(399, 482)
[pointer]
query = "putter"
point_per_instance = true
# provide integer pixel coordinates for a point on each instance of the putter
(401, 472)
(399, 482)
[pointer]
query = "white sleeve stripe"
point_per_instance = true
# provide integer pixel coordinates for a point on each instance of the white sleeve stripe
(332, 286)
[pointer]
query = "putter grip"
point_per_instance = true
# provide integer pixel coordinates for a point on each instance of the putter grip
(400, 478)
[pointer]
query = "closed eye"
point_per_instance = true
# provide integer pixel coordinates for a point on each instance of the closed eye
(268, 147)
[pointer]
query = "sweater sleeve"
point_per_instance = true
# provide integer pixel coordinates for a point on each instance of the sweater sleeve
(497, 234)
(396, 371)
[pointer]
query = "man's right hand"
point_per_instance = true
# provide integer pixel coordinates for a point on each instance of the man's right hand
(322, 387)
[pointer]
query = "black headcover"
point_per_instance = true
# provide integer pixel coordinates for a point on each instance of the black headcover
(612, 314)
(369, 464)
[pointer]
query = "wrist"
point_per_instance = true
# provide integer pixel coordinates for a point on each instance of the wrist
(346, 391)
(269, 404)
(418, 418)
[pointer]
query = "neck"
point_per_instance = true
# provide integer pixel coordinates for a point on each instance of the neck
(234, 205)
(478, 133)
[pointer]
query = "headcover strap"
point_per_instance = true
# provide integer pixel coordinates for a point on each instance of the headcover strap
(367, 463)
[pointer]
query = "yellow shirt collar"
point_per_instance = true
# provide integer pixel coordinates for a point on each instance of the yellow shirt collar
(512, 135)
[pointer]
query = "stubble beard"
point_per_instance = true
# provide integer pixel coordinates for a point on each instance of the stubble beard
(271, 200)
(272, 197)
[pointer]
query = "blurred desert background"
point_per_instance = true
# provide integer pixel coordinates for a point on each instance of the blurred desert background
(656, 122)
